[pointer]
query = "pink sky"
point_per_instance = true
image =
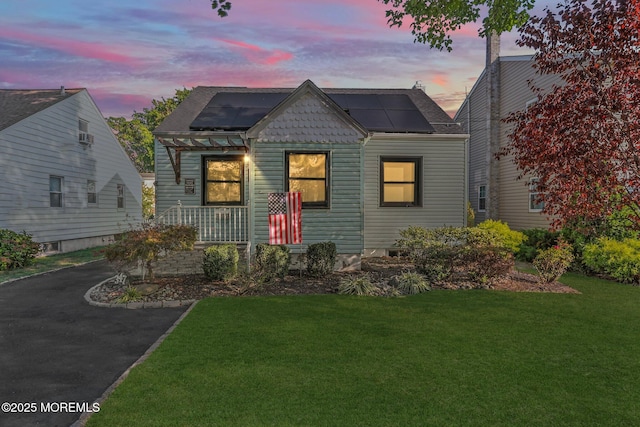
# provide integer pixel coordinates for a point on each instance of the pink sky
(127, 54)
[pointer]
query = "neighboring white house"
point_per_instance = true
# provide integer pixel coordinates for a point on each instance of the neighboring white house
(494, 191)
(65, 178)
(369, 162)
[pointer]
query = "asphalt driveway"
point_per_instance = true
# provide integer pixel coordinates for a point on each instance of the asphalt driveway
(58, 354)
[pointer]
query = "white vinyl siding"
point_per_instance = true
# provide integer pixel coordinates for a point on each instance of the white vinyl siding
(46, 144)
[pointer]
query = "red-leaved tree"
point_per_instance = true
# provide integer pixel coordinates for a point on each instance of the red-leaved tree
(582, 139)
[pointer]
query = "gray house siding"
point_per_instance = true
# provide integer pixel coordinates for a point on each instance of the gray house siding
(46, 144)
(443, 179)
(514, 93)
(308, 119)
(169, 193)
(341, 222)
(308, 124)
(472, 115)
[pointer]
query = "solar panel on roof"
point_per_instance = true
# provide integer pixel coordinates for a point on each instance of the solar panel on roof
(376, 112)
(236, 111)
(384, 112)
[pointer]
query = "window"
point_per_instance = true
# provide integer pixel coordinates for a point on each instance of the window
(83, 126)
(91, 192)
(400, 181)
(308, 173)
(534, 205)
(120, 196)
(482, 198)
(55, 191)
(224, 180)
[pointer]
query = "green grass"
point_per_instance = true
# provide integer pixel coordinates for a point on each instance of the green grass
(444, 358)
(53, 262)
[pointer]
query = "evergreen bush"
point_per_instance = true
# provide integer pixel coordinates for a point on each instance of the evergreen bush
(538, 239)
(321, 258)
(220, 262)
(272, 261)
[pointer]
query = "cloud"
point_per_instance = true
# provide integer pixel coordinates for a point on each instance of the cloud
(69, 46)
(256, 54)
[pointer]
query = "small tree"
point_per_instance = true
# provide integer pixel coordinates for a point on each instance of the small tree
(581, 140)
(148, 244)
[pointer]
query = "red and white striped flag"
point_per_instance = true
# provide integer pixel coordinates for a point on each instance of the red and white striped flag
(285, 218)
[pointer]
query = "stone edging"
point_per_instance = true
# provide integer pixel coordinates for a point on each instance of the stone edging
(134, 305)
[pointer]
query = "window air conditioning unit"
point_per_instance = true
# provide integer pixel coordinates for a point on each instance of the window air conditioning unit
(85, 138)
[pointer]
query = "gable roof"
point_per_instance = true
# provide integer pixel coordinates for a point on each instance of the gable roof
(16, 105)
(370, 109)
(307, 88)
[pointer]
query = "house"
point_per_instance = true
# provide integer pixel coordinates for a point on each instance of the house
(65, 178)
(369, 162)
(494, 192)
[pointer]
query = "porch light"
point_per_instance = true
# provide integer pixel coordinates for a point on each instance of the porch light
(247, 158)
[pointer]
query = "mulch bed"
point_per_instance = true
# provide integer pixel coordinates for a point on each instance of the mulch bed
(380, 270)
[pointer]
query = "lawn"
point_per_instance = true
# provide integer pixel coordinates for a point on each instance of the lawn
(444, 358)
(53, 262)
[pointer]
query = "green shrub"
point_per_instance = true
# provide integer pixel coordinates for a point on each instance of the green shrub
(272, 260)
(130, 294)
(551, 263)
(220, 262)
(618, 259)
(511, 239)
(485, 263)
(411, 283)
(436, 253)
(321, 258)
(435, 261)
(357, 286)
(537, 239)
(16, 249)
(471, 216)
(148, 244)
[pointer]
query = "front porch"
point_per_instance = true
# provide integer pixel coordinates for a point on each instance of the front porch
(215, 224)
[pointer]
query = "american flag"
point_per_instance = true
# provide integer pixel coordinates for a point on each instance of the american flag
(285, 218)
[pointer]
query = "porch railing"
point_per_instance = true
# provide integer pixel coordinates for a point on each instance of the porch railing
(220, 224)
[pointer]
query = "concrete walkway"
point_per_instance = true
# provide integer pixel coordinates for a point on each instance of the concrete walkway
(58, 354)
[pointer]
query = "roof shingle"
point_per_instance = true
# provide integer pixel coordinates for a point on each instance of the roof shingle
(18, 104)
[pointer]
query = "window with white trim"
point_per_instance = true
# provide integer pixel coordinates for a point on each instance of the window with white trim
(120, 196)
(534, 204)
(55, 191)
(482, 198)
(92, 198)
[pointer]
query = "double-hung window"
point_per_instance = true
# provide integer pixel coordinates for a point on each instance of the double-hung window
(400, 181)
(534, 204)
(308, 173)
(91, 192)
(55, 191)
(482, 198)
(224, 180)
(120, 196)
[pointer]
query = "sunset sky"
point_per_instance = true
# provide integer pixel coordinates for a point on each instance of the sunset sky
(127, 53)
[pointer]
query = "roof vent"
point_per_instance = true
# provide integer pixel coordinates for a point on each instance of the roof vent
(419, 85)
(62, 91)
